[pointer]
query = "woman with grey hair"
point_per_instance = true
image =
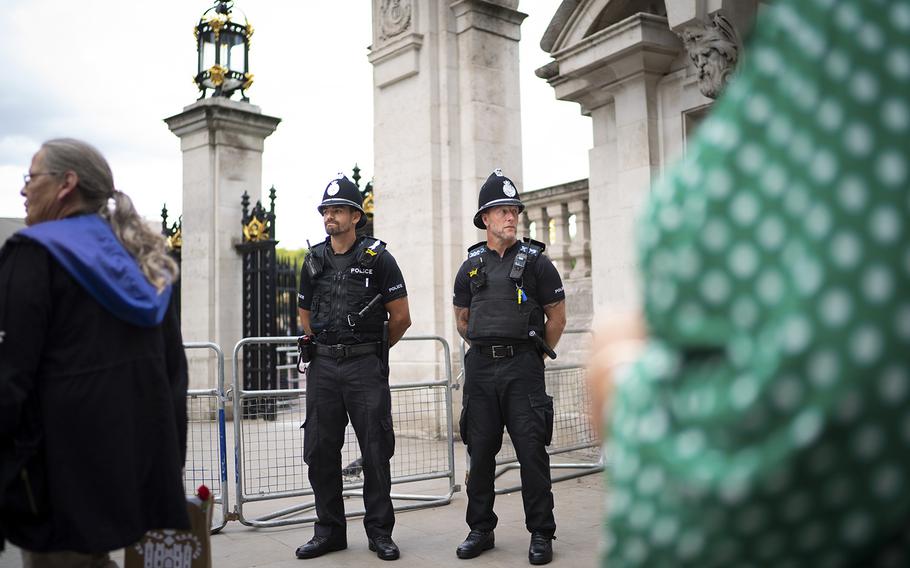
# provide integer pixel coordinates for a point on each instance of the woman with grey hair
(93, 375)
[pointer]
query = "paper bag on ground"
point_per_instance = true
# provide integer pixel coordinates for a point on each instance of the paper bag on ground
(176, 549)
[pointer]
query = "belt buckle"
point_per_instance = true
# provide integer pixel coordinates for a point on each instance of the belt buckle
(506, 351)
(338, 351)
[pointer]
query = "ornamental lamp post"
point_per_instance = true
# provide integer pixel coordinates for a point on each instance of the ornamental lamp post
(223, 47)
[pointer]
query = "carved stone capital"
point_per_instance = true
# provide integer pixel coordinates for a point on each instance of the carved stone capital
(714, 49)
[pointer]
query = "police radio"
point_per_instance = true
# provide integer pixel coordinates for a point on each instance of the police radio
(312, 265)
(518, 266)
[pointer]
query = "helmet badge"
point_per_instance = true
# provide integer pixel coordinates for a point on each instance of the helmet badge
(333, 188)
(508, 189)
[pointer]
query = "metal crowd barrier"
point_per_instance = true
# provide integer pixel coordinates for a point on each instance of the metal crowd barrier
(206, 444)
(268, 442)
(572, 432)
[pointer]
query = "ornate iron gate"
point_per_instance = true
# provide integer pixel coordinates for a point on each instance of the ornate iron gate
(269, 303)
(260, 289)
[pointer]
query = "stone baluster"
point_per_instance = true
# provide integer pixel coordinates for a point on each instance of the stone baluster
(559, 248)
(580, 249)
(538, 216)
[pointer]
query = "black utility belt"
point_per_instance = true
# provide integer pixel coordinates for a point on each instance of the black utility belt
(503, 351)
(342, 351)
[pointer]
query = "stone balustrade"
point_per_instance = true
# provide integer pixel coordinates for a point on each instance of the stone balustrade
(558, 216)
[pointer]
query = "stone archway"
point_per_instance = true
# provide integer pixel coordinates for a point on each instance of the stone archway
(625, 63)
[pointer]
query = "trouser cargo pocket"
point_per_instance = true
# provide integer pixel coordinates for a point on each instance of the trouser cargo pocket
(388, 437)
(309, 436)
(463, 420)
(542, 403)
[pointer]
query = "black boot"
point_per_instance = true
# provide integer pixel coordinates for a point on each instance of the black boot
(320, 545)
(384, 547)
(476, 542)
(541, 549)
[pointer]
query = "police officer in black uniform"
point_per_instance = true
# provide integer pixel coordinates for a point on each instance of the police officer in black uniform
(350, 289)
(510, 307)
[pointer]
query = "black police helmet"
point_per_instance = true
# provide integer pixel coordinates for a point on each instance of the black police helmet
(497, 190)
(342, 191)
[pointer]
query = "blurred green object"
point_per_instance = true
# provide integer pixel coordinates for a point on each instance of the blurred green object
(767, 423)
(292, 255)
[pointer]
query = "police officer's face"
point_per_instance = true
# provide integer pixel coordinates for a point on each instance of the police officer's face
(502, 221)
(339, 219)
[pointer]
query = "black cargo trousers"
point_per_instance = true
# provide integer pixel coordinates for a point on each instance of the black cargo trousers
(355, 387)
(508, 392)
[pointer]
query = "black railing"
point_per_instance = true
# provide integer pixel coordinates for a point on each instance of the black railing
(173, 236)
(286, 314)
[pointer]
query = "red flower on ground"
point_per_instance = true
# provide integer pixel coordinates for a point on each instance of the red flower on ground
(203, 493)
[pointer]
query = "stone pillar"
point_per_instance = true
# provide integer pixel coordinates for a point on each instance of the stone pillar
(682, 14)
(446, 113)
(580, 248)
(624, 162)
(558, 251)
(615, 80)
(222, 142)
(487, 35)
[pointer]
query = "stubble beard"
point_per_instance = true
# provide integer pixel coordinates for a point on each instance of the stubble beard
(505, 235)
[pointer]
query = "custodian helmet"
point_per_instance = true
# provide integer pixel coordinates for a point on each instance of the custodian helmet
(497, 190)
(342, 191)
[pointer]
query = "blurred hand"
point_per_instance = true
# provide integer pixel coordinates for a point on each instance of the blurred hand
(617, 343)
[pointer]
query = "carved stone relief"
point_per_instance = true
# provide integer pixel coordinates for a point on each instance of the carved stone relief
(394, 18)
(714, 49)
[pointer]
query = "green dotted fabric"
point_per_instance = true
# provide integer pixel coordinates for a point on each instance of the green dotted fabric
(768, 421)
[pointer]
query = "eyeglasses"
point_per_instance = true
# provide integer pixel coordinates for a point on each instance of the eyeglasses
(28, 177)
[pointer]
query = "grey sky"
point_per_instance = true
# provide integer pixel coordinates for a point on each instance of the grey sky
(108, 71)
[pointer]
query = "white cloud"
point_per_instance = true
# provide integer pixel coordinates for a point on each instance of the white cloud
(107, 72)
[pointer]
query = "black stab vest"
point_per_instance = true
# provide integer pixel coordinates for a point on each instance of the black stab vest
(338, 294)
(495, 312)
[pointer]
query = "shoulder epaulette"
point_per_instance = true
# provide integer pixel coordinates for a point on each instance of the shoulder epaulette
(532, 247)
(477, 249)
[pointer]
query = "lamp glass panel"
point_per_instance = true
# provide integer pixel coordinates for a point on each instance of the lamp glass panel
(208, 54)
(237, 55)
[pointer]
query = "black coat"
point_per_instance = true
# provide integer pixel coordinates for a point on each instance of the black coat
(92, 414)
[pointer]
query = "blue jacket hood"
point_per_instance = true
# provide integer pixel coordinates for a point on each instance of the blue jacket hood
(88, 249)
